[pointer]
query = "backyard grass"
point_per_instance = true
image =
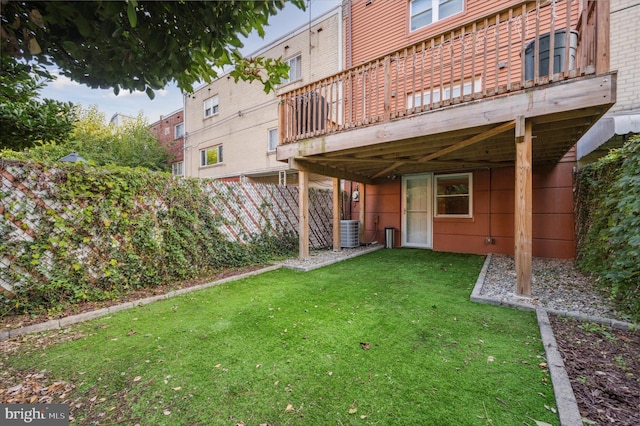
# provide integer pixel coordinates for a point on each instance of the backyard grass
(386, 338)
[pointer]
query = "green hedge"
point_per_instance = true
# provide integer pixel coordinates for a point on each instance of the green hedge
(98, 233)
(608, 222)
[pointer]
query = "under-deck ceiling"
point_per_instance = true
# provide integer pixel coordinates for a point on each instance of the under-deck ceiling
(464, 136)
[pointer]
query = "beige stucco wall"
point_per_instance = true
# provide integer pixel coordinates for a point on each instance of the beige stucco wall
(246, 113)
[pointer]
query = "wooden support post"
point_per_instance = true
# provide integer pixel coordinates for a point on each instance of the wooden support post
(523, 207)
(303, 225)
(336, 214)
(603, 16)
(363, 213)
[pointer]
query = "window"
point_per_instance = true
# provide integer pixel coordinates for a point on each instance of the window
(176, 168)
(272, 144)
(453, 195)
(178, 130)
(211, 106)
(295, 69)
(211, 156)
(472, 86)
(425, 12)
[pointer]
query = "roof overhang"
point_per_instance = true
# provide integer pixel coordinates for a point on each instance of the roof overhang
(610, 127)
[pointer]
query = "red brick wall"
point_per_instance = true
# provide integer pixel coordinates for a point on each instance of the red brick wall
(164, 131)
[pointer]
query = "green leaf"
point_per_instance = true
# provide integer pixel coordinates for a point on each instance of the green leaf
(131, 13)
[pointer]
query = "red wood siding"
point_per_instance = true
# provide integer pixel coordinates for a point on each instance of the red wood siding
(493, 211)
(383, 26)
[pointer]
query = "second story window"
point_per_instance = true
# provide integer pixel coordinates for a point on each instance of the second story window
(295, 69)
(211, 156)
(272, 144)
(178, 131)
(425, 12)
(211, 106)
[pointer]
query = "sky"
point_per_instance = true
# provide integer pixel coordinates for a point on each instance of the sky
(170, 98)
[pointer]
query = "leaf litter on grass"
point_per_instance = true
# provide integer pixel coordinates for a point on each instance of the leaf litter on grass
(397, 380)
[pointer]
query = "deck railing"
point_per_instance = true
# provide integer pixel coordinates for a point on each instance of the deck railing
(530, 44)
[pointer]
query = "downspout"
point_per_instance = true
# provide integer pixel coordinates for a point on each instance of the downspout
(349, 53)
(340, 36)
(184, 137)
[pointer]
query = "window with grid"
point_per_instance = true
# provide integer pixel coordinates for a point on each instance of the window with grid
(295, 69)
(211, 106)
(453, 195)
(211, 156)
(426, 12)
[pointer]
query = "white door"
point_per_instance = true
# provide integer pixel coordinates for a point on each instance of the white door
(416, 211)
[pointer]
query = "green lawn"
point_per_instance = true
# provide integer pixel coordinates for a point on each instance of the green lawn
(386, 338)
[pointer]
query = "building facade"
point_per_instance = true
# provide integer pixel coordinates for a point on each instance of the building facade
(457, 120)
(232, 128)
(169, 131)
(623, 119)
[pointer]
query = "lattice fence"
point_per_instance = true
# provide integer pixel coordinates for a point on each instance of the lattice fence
(28, 200)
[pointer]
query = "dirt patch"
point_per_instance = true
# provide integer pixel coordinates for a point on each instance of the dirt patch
(603, 365)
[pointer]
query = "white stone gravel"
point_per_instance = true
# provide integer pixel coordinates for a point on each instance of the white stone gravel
(557, 286)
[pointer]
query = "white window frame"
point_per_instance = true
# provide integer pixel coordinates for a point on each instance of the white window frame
(423, 6)
(272, 139)
(177, 168)
(178, 130)
(211, 106)
(204, 157)
(437, 196)
(295, 69)
(470, 87)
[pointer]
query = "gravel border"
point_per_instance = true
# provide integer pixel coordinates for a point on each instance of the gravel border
(557, 287)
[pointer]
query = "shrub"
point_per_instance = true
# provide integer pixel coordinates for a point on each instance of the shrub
(609, 224)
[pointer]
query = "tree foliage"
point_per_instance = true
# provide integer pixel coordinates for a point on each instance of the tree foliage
(24, 119)
(142, 45)
(129, 145)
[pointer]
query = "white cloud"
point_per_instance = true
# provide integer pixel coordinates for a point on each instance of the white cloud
(126, 94)
(62, 82)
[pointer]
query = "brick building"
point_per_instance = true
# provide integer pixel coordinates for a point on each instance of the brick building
(169, 131)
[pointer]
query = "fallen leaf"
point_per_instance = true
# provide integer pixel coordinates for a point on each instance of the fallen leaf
(539, 423)
(137, 378)
(490, 359)
(330, 373)
(241, 423)
(543, 365)
(588, 421)
(217, 366)
(259, 365)
(166, 412)
(503, 402)
(289, 409)
(365, 346)
(553, 410)
(364, 416)
(353, 409)
(177, 388)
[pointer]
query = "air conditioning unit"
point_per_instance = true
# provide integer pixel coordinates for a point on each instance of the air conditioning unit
(349, 233)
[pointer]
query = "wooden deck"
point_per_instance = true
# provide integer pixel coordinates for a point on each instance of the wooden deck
(477, 96)
(448, 100)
